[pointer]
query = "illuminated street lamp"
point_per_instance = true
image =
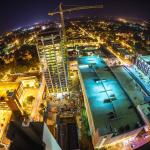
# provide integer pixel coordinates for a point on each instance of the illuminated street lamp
(17, 42)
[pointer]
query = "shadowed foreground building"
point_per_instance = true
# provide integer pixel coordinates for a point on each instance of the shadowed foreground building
(36, 136)
(67, 132)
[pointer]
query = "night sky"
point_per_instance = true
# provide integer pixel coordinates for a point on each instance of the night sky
(16, 13)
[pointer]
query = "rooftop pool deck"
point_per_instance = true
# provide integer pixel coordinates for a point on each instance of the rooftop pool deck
(111, 108)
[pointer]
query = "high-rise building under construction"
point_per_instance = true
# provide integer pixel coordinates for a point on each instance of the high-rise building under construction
(53, 60)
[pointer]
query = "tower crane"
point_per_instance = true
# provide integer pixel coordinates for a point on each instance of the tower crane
(61, 13)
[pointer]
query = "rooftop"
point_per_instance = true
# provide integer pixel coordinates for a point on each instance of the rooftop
(111, 108)
(8, 86)
(146, 58)
(129, 84)
(146, 109)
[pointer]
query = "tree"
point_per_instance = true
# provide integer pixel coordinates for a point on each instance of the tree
(41, 112)
(42, 106)
(138, 46)
(30, 99)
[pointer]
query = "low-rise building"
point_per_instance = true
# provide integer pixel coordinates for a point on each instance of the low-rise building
(143, 63)
(112, 116)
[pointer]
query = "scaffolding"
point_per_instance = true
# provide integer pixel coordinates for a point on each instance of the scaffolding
(53, 61)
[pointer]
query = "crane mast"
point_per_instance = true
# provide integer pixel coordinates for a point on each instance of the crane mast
(62, 23)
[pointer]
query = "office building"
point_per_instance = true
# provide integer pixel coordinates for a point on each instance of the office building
(53, 60)
(36, 136)
(14, 104)
(67, 136)
(143, 63)
(10, 95)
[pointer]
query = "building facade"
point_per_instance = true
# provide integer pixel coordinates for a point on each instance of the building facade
(14, 104)
(10, 90)
(143, 63)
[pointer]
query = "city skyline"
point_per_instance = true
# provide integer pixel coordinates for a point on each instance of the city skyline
(75, 75)
(22, 13)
